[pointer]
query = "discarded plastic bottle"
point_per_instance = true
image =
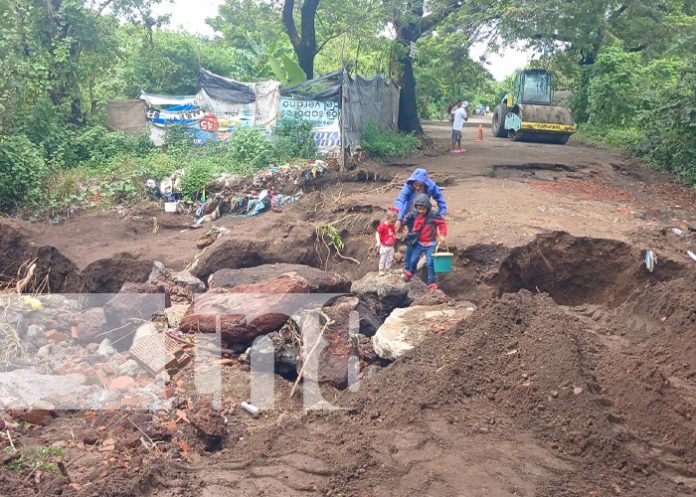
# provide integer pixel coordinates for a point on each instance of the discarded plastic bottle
(251, 409)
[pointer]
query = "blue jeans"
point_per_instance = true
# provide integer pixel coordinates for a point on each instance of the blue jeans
(416, 252)
(409, 248)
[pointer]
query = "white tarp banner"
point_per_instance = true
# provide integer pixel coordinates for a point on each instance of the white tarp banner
(325, 116)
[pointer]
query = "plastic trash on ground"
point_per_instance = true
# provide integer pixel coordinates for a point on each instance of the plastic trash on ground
(650, 260)
(691, 254)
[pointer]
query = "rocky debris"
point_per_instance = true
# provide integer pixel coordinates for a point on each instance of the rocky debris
(189, 281)
(383, 294)
(105, 349)
(209, 423)
(331, 363)
(293, 243)
(247, 311)
(129, 368)
(91, 324)
(286, 350)
(34, 332)
(35, 416)
(175, 314)
(319, 281)
(144, 331)
(404, 329)
(132, 308)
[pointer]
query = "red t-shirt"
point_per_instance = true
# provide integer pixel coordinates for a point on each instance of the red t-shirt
(387, 234)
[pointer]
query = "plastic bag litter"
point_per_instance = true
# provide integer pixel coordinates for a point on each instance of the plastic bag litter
(650, 260)
(691, 254)
(677, 232)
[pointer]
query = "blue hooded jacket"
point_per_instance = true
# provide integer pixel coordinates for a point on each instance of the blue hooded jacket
(408, 194)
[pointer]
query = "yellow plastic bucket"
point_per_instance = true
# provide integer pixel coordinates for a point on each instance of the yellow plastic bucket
(442, 261)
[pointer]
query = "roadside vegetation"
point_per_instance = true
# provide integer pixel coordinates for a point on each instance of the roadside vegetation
(629, 68)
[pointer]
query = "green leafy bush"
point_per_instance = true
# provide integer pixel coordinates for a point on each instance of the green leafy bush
(97, 144)
(294, 139)
(387, 145)
(249, 148)
(178, 137)
(22, 172)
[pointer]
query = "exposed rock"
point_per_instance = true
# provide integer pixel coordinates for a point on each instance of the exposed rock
(383, 294)
(34, 332)
(404, 329)
(285, 352)
(189, 281)
(319, 281)
(128, 308)
(91, 324)
(331, 361)
(291, 242)
(25, 388)
(247, 311)
(129, 368)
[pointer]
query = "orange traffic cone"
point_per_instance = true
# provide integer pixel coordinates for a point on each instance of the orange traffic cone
(479, 133)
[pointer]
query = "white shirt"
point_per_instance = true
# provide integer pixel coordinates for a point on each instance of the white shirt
(459, 118)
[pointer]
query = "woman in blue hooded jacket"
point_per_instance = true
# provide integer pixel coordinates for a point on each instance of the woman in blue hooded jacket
(417, 183)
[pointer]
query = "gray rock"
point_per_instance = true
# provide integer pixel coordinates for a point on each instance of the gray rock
(383, 294)
(35, 332)
(189, 281)
(129, 368)
(158, 273)
(105, 349)
(44, 352)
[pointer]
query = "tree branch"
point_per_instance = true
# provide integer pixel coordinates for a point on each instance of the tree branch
(289, 23)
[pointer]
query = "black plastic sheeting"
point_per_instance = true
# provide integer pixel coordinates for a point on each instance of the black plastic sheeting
(225, 89)
(327, 87)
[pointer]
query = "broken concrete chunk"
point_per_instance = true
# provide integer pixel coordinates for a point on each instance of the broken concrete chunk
(404, 329)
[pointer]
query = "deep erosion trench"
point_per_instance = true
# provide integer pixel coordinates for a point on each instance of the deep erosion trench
(576, 376)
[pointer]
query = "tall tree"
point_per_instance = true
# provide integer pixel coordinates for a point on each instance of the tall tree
(411, 20)
(304, 42)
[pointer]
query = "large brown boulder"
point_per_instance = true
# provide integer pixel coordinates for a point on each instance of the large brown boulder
(247, 311)
(290, 243)
(319, 281)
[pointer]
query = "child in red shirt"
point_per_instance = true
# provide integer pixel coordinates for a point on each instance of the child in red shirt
(386, 242)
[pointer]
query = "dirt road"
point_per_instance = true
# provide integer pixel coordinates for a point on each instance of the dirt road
(575, 377)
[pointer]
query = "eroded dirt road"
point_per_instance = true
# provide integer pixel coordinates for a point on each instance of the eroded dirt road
(575, 377)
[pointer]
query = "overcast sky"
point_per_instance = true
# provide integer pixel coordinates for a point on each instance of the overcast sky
(190, 15)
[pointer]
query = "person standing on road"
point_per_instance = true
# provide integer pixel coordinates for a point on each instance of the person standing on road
(418, 182)
(460, 115)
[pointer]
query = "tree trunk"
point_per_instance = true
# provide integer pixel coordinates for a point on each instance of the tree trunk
(305, 56)
(408, 111)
